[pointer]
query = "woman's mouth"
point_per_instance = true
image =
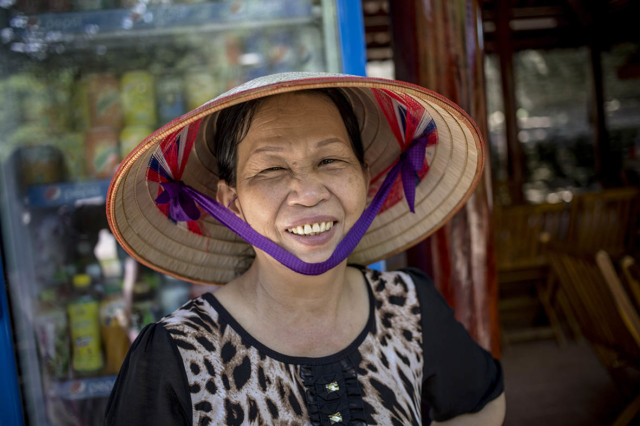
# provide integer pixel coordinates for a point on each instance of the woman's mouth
(314, 234)
(310, 229)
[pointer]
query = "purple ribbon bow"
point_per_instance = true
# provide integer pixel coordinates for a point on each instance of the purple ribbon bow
(184, 201)
(412, 160)
(182, 207)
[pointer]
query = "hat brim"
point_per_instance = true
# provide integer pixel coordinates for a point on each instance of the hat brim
(215, 255)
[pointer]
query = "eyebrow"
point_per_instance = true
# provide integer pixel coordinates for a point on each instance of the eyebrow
(270, 148)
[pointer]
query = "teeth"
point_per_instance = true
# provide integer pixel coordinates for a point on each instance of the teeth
(311, 229)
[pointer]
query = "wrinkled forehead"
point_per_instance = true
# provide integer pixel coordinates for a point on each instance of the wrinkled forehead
(298, 112)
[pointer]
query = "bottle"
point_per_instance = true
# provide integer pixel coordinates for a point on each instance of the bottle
(51, 330)
(113, 328)
(85, 328)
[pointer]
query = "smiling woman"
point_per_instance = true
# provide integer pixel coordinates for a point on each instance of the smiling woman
(311, 172)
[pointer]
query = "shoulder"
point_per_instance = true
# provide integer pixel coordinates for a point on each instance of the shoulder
(195, 326)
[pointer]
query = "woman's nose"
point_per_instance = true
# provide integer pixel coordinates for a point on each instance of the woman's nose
(307, 190)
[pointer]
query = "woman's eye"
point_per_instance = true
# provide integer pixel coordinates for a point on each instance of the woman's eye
(327, 161)
(273, 169)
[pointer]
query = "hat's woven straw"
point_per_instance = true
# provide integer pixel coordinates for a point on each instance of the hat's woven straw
(218, 255)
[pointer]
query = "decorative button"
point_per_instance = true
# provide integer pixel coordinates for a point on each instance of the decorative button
(336, 417)
(332, 387)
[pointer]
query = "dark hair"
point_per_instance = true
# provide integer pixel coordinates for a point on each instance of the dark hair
(233, 124)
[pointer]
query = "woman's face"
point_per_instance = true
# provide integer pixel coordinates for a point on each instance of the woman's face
(299, 182)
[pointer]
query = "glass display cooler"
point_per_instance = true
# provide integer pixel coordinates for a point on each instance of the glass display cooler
(82, 82)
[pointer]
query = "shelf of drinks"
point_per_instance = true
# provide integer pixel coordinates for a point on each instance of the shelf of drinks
(69, 193)
(95, 387)
(168, 19)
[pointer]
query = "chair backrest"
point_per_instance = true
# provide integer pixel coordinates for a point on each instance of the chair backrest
(523, 230)
(601, 306)
(631, 273)
(605, 220)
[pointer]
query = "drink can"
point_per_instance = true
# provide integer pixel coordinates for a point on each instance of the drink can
(80, 113)
(138, 98)
(33, 98)
(40, 165)
(170, 91)
(101, 152)
(72, 147)
(105, 108)
(201, 87)
(131, 136)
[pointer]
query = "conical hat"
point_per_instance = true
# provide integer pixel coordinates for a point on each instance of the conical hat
(204, 251)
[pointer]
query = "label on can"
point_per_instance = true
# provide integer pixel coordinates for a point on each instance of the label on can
(72, 147)
(85, 335)
(101, 148)
(104, 100)
(201, 87)
(131, 136)
(138, 98)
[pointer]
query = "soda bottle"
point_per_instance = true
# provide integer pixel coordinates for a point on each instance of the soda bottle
(113, 328)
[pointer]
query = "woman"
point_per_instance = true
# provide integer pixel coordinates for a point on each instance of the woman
(308, 170)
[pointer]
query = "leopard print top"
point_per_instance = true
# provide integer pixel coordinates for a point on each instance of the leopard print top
(233, 379)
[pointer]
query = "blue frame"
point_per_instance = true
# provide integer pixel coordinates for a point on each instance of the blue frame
(10, 404)
(352, 43)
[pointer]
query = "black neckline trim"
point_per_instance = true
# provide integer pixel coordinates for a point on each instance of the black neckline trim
(287, 359)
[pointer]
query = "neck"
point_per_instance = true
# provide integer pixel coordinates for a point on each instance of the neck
(286, 296)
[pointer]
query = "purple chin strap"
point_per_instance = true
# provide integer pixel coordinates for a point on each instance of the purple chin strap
(184, 201)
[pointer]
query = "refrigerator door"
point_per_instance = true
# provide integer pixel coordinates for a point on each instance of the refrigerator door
(82, 82)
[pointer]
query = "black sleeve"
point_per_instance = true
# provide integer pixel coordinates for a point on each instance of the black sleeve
(460, 377)
(152, 387)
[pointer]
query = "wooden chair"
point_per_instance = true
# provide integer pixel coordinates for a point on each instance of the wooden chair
(606, 315)
(522, 234)
(605, 220)
(631, 272)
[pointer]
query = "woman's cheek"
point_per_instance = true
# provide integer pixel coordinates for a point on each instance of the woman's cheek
(261, 210)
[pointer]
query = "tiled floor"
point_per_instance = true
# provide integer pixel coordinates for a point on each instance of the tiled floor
(549, 386)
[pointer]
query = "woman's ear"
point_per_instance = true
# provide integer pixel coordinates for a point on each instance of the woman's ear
(227, 196)
(367, 175)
